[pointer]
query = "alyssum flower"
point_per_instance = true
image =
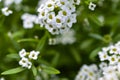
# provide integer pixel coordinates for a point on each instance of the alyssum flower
(26, 58)
(57, 15)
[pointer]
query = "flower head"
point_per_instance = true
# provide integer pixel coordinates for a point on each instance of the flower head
(92, 6)
(33, 55)
(6, 11)
(22, 53)
(57, 16)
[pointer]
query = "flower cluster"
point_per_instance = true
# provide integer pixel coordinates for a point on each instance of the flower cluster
(87, 73)
(111, 54)
(29, 20)
(6, 11)
(26, 58)
(92, 72)
(108, 72)
(57, 15)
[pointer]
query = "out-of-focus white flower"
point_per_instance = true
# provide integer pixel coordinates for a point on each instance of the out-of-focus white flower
(67, 37)
(28, 24)
(6, 11)
(34, 55)
(0, 0)
(29, 20)
(10, 2)
(24, 62)
(22, 53)
(2, 78)
(92, 6)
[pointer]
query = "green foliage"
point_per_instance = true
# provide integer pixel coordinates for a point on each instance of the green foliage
(59, 61)
(13, 71)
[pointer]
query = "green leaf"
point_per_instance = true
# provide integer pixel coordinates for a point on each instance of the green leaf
(27, 40)
(94, 53)
(96, 36)
(41, 43)
(95, 19)
(34, 70)
(76, 55)
(49, 70)
(13, 71)
(55, 59)
(13, 56)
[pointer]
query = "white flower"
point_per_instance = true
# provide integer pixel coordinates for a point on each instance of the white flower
(2, 78)
(33, 55)
(92, 6)
(113, 59)
(6, 11)
(50, 17)
(10, 2)
(22, 53)
(24, 62)
(50, 5)
(27, 24)
(0, 0)
(114, 50)
(102, 65)
(77, 2)
(29, 20)
(103, 55)
(67, 37)
(17, 1)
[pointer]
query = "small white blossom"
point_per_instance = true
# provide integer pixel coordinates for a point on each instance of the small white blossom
(113, 59)
(24, 62)
(103, 56)
(92, 6)
(114, 50)
(6, 11)
(33, 55)
(22, 53)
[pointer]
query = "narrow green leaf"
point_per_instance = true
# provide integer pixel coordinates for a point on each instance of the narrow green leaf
(13, 56)
(27, 40)
(55, 59)
(34, 70)
(41, 43)
(13, 71)
(94, 53)
(76, 55)
(49, 70)
(95, 19)
(96, 36)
